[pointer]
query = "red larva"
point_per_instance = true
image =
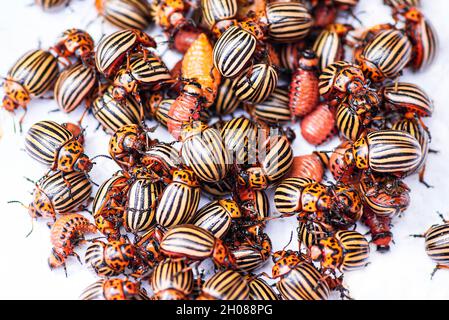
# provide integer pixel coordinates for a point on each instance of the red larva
(379, 227)
(319, 126)
(304, 91)
(184, 38)
(65, 233)
(185, 109)
(307, 166)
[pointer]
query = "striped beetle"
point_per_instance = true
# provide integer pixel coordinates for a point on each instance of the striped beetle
(127, 144)
(328, 46)
(58, 194)
(414, 128)
(250, 256)
(180, 199)
(256, 83)
(385, 55)
(384, 195)
(113, 114)
(260, 290)
(54, 146)
(217, 216)
(339, 205)
(274, 110)
(108, 205)
(437, 244)
(47, 5)
(274, 164)
(203, 150)
(310, 232)
(215, 11)
(112, 258)
(225, 285)
(298, 280)
(233, 50)
(421, 34)
(125, 13)
(75, 85)
(113, 49)
(114, 289)
(226, 102)
(143, 199)
(340, 79)
(194, 243)
(357, 112)
(288, 21)
(31, 76)
(161, 160)
(240, 137)
(345, 251)
(395, 4)
(385, 151)
(143, 72)
(408, 98)
(148, 247)
(172, 280)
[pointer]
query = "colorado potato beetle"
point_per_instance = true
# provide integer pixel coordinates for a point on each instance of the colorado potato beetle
(113, 114)
(59, 194)
(345, 251)
(114, 289)
(54, 146)
(421, 34)
(75, 85)
(196, 244)
(256, 83)
(386, 55)
(143, 198)
(31, 76)
(225, 285)
(125, 13)
(113, 49)
(203, 150)
(216, 216)
(179, 200)
(172, 280)
(112, 258)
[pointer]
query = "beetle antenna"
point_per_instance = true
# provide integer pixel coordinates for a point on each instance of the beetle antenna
(289, 242)
(442, 217)
(101, 156)
(32, 228)
(29, 180)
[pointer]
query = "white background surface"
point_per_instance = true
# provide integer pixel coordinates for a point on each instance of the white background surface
(402, 273)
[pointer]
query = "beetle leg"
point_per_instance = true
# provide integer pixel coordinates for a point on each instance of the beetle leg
(438, 267)
(421, 177)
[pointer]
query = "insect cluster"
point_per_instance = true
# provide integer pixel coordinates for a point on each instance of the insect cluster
(282, 62)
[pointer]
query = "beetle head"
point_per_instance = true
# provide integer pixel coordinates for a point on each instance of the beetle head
(83, 164)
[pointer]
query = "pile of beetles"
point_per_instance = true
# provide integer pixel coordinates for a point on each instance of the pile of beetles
(281, 62)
